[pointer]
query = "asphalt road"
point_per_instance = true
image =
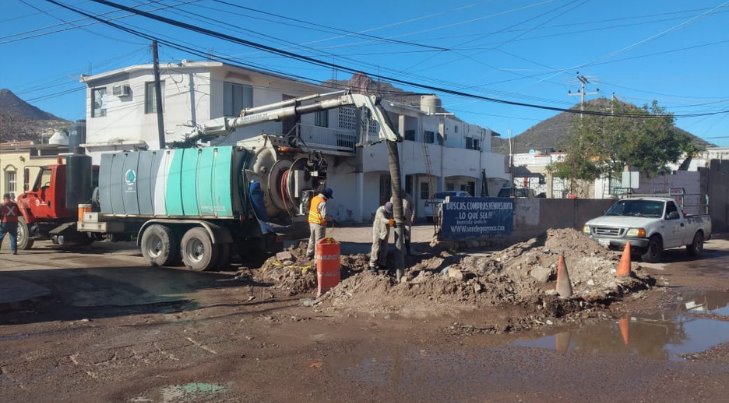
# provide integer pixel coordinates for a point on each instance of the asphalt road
(108, 328)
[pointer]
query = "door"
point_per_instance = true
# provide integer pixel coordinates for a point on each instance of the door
(673, 226)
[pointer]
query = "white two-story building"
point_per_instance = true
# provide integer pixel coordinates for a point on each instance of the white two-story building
(440, 151)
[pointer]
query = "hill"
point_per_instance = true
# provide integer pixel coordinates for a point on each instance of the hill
(551, 133)
(21, 121)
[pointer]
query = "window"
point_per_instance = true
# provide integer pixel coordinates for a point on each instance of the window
(150, 97)
(476, 144)
(429, 137)
(98, 103)
(236, 97)
(385, 188)
(410, 135)
(44, 179)
(321, 119)
(473, 144)
(469, 143)
(424, 190)
(10, 181)
(455, 128)
(670, 208)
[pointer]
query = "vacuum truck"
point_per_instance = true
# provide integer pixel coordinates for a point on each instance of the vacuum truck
(196, 204)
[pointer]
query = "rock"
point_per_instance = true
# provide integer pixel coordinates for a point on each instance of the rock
(455, 274)
(288, 262)
(590, 282)
(477, 287)
(284, 256)
(541, 274)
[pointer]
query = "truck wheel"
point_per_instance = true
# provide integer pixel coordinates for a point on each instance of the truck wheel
(23, 239)
(697, 246)
(654, 251)
(159, 246)
(198, 251)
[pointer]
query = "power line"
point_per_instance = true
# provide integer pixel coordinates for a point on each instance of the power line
(311, 60)
(335, 30)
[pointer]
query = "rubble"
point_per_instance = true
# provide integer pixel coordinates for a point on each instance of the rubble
(523, 274)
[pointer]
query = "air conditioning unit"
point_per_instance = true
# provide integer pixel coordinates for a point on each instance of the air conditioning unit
(121, 90)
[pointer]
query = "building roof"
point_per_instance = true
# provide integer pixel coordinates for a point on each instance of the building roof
(185, 64)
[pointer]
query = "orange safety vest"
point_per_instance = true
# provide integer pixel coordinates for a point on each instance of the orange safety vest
(314, 214)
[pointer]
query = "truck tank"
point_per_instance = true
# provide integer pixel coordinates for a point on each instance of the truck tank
(184, 183)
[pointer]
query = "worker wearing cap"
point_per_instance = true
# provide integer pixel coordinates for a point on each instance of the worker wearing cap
(9, 222)
(318, 219)
(380, 234)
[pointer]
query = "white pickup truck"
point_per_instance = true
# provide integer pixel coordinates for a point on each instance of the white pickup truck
(651, 224)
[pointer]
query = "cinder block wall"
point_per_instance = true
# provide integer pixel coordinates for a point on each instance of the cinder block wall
(533, 217)
(719, 195)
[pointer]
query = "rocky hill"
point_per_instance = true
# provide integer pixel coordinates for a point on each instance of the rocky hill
(551, 133)
(20, 121)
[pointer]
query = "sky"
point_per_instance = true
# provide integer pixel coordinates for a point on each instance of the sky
(526, 51)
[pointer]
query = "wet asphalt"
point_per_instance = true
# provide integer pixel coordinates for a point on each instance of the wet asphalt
(112, 329)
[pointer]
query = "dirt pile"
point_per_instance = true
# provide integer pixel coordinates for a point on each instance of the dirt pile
(295, 273)
(522, 274)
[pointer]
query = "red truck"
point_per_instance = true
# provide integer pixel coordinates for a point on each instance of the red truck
(49, 209)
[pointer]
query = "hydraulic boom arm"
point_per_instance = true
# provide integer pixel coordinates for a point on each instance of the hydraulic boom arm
(293, 107)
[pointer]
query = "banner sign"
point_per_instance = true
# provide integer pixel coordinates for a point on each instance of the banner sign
(472, 217)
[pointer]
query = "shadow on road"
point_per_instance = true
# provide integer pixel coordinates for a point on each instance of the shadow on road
(88, 293)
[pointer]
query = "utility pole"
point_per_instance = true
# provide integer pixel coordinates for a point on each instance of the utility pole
(158, 97)
(581, 92)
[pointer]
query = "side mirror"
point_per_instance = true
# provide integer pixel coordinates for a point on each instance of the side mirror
(26, 179)
(673, 215)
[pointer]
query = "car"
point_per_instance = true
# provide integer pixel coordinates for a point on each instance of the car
(650, 224)
(432, 205)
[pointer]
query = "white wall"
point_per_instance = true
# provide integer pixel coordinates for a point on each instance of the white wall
(125, 119)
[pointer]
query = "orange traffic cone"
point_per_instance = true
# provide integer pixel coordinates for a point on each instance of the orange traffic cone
(624, 324)
(564, 286)
(623, 269)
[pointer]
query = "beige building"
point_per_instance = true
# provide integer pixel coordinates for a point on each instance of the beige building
(16, 157)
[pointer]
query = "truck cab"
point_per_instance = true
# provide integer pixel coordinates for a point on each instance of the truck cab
(49, 208)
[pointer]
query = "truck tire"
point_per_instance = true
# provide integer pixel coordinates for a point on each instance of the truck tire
(24, 241)
(198, 251)
(654, 251)
(160, 246)
(697, 245)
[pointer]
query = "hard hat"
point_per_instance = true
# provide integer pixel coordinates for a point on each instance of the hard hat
(329, 193)
(388, 207)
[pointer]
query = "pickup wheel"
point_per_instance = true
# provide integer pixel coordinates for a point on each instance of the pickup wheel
(160, 246)
(654, 251)
(198, 251)
(697, 246)
(23, 236)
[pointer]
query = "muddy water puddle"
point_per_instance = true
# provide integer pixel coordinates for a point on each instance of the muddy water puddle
(685, 329)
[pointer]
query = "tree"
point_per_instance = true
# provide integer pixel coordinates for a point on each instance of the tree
(644, 138)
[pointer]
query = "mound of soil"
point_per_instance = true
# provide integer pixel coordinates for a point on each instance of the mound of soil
(522, 274)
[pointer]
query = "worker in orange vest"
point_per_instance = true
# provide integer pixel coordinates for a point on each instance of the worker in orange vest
(9, 222)
(318, 219)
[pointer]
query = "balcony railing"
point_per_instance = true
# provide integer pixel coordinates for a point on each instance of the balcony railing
(339, 141)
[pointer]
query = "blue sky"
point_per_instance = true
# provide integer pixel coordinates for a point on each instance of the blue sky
(675, 52)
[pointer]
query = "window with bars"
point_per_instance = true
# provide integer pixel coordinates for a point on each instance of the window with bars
(424, 190)
(429, 137)
(321, 119)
